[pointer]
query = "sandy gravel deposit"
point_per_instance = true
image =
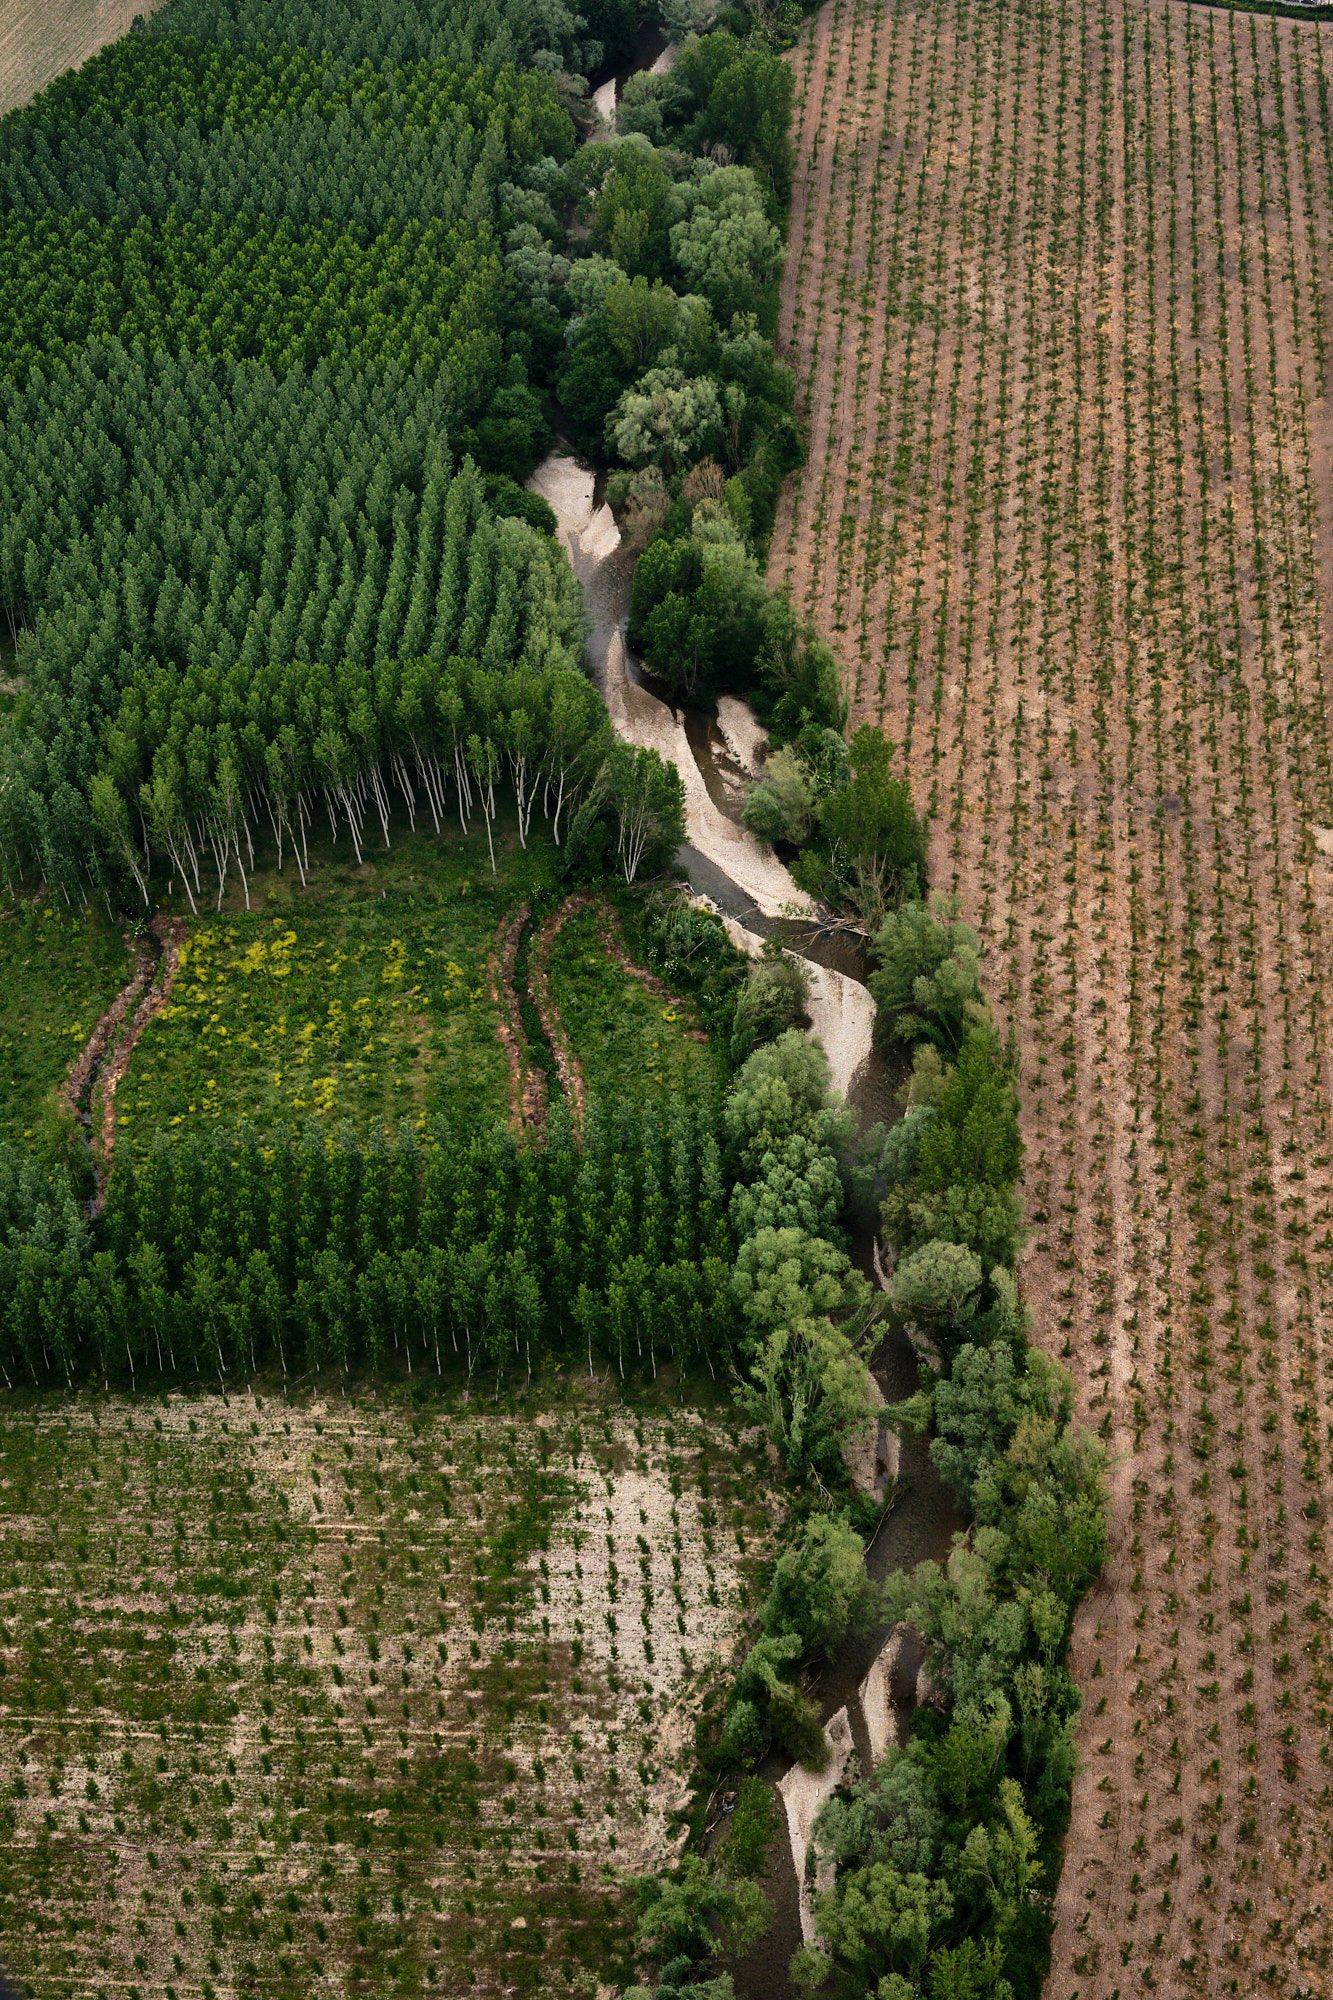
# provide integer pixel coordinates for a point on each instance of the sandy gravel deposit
(804, 1796)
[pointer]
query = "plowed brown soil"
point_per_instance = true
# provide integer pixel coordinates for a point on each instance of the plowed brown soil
(1059, 301)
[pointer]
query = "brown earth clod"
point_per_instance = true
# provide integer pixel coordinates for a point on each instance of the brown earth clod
(539, 979)
(527, 1085)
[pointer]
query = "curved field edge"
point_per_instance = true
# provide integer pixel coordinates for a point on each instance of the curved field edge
(1057, 296)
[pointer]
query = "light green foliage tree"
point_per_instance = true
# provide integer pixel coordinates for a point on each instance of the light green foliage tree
(927, 981)
(621, 326)
(901, 1153)
(810, 1388)
(1001, 1861)
(971, 1970)
(977, 1634)
(880, 1920)
(667, 418)
(798, 1183)
(936, 1288)
(645, 800)
(645, 106)
(780, 805)
(589, 283)
(687, 17)
(1044, 1497)
(890, 1814)
(784, 1274)
(725, 247)
(820, 1589)
(694, 1913)
(929, 1076)
(783, 1088)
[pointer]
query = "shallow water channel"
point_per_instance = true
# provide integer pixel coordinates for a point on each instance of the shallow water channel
(758, 899)
(752, 890)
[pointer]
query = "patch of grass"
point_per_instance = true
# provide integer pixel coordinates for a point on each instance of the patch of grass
(628, 1040)
(363, 997)
(59, 971)
(351, 1694)
(743, 1845)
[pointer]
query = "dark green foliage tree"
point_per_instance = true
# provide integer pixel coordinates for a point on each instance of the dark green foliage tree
(256, 310)
(968, 1154)
(772, 1000)
(871, 842)
(611, 347)
(632, 212)
(218, 1256)
(697, 615)
(748, 110)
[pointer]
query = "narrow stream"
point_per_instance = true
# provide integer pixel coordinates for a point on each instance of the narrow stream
(758, 899)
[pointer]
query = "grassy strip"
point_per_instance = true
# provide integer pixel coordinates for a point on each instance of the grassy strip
(629, 1040)
(59, 971)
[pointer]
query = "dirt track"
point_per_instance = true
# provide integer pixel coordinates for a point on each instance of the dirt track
(1058, 296)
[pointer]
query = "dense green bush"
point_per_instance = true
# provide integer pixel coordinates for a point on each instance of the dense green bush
(944, 1856)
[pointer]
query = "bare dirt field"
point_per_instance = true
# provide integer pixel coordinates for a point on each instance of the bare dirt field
(41, 38)
(1060, 297)
(351, 1695)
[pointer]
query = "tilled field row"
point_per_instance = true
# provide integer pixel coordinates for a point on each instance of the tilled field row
(1058, 300)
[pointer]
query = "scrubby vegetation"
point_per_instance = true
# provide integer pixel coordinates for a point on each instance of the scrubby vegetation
(634, 1039)
(364, 998)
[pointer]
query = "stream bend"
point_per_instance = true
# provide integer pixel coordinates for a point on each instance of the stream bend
(756, 895)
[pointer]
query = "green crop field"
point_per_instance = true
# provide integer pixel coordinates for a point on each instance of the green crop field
(333, 1697)
(364, 997)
